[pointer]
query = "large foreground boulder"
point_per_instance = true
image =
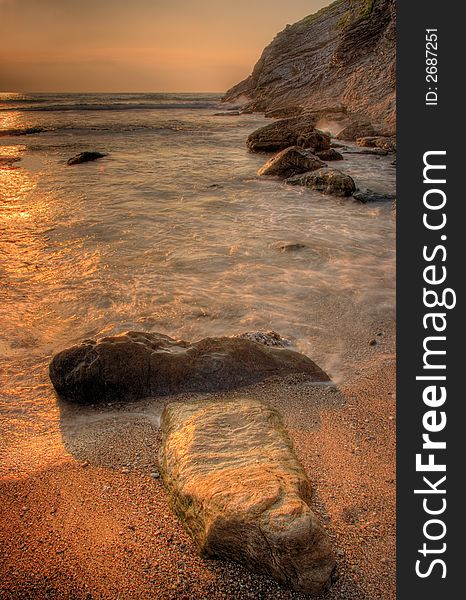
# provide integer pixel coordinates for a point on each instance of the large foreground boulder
(291, 161)
(136, 365)
(327, 181)
(295, 131)
(241, 493)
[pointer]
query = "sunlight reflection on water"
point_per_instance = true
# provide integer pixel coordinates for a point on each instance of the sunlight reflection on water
(172, 232)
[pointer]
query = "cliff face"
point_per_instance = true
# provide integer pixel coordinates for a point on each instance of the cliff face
(338, 64)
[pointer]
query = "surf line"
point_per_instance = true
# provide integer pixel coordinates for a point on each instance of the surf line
(437, 300)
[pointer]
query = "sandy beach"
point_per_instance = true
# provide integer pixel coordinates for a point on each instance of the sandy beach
(97, 522)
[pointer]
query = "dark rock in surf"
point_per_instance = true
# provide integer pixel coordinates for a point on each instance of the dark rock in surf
(296, 131)
(85, 157)
(291, 161)
(289, 247)
(137, 365)
(327, 181)
(329, 155)
(371, 196)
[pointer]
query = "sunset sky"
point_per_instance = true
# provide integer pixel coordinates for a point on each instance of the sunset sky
(138, 45)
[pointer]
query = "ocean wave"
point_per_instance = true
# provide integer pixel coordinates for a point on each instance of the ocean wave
(20, 131)
(113, 107)
(81, 128)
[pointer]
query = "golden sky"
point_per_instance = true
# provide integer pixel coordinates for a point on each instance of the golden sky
(138, 45)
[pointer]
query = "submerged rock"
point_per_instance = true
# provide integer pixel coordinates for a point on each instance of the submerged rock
(327, 181)
(329, 154)
(371, 196)
(137, 364)
(296, 131)
(85, 157)
(267, 338)
(289, 246)
(291, 161)
(236, 484)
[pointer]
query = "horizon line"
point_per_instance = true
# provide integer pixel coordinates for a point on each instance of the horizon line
(107, 92)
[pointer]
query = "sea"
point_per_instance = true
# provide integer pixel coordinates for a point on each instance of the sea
(171, 232)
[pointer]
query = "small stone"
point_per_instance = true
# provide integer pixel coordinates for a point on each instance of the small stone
(125, 470)
(85, 464)
(155, 475)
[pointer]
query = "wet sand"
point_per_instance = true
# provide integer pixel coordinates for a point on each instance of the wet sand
(96, 522)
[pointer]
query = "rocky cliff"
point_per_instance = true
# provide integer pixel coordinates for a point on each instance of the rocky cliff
(338, 64)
